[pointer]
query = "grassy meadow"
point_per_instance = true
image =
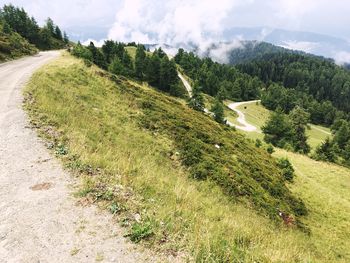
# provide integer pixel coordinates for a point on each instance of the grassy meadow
(96, 127)
(257, 115)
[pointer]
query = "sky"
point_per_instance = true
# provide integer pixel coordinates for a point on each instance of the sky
(191, 21)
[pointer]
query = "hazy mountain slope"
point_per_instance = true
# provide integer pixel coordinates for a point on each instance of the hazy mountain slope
(318, 44)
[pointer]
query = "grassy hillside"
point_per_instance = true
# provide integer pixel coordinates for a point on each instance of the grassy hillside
(257, 115)
(12, 46)
(176, 179)
(325, 189)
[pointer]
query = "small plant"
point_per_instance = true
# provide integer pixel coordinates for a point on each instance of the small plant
(61, 150)
(141, 231)
(114, 208)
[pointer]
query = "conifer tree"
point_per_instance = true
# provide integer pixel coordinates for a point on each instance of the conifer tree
(218, 111)
(197, 101)
(140, 62)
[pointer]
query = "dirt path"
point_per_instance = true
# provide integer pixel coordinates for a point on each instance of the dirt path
(39, 218)
(186, 84)
(320, 130)
(245, 126)
(233, 106)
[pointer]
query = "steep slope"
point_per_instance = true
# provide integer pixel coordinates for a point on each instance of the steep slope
(145, 153)
(133, 147)
(12, 45)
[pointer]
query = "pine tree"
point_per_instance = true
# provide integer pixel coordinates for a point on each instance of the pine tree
(218, 111)
(117, 67)
(153, 70)
(300, 119)
(197, 101)
(97, 56)
(278, 130)
(346, 153)
(140, 62)
(58, 33)
(325, 151)
(342, 136)
(108, 50)
(50, 26)
(65, 38)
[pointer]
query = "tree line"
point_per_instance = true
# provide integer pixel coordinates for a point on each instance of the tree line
(326, 83)
(220, 80)
(47, 37)
(318, 88)
(155, 68)
(288, 131)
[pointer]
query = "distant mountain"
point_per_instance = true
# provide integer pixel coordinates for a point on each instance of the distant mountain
(318, 44)
(251, 50)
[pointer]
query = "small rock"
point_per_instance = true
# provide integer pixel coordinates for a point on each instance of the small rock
(137, 218)
(217, 146)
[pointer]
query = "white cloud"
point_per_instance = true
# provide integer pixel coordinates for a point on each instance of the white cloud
(220, 52)
(342, 57)
(97, 43)
(171, 22)
(301, 45)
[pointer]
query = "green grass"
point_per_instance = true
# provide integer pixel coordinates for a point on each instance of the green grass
(325, 188)
(317, 134)
(114, 134)
(131, 51)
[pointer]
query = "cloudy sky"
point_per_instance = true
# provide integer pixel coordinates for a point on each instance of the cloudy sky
(320, 16)
(197, 21)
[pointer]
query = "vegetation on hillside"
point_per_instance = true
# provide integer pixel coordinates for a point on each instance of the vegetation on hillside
(218, 80)
(313, 84)
(12, 45)
(320, 78)
(186, 167)
(128, 141)
(47, 37)
(155, 68)
(288, 131)
(252, 50)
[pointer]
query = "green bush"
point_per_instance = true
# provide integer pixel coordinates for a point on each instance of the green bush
(287, 169)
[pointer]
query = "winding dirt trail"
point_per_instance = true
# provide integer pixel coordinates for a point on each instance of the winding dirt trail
(39, 218)
(245, 126)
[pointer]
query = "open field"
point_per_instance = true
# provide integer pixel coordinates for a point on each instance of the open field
(94, 126)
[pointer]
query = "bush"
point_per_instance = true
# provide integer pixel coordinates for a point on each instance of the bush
(287, 169)
(258, 143)
(270, 149)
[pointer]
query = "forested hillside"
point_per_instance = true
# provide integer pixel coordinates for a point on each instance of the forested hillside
(12, 45)
(251, 50)
(321, 79)
(217, 79)
(17, 20)
(315, 85)
(133, 61)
